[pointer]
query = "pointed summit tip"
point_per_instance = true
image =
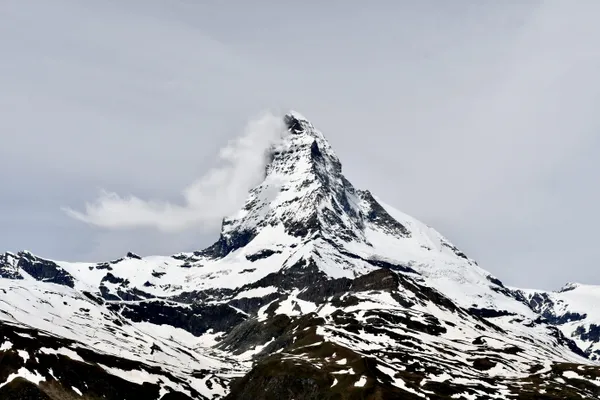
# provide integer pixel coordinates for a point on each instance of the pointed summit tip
(297, 115)
(296, 122)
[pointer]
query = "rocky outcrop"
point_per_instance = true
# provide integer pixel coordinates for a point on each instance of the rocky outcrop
(70, 377)
(43, 270)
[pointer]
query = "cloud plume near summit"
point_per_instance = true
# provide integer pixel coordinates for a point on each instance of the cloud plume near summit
(219, 192)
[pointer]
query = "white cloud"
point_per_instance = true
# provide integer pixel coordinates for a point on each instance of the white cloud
(206, 201)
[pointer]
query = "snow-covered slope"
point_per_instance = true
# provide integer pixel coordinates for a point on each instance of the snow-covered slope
(75, 324)
(574, 309)
(305, 208)
(311, 273)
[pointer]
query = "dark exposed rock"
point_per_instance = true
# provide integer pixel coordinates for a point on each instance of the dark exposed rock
(133, 294)
(196, 319)
(61, 373)
(300, 275)
(202, 295)
(483, 364)
(489, 312)
(564, 341)
(432, 327)
(304, 228)
(105, 266)
(251, 333)
(133, 255)
(591, 334)
(7, 269)
(495, 281)
(314, 150)
(228, 243)
(380, 279)
(390, 266)
(262, 254)
(20, 389)
(568, 287)
(283, 381)
(251, 305)
(544, 305)
(480, 340)
(115, 280)
(379, 217)
(277, 379)
(566, 318)
(95, 299)
(44, 270)
(107, 295)
(455, 250)
(293, 124)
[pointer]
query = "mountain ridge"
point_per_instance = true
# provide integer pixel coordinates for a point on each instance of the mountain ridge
(311, 278)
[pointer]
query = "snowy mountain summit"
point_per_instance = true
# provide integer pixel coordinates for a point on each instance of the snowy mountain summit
(313, 290)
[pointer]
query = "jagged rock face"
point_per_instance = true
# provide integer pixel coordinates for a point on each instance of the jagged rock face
(304, 209)
(8, 267)
(304, 190)
(65, 371)
(573, 310)
(543, 304)
(313, 290)
(44, 270)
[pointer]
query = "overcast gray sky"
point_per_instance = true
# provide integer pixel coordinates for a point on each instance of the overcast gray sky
(478, 117)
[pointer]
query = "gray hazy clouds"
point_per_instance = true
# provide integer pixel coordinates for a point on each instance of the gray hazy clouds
(478, 118)
(218, 192)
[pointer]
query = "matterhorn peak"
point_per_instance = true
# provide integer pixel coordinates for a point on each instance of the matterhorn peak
(305, 196)
(304, 191)
(314, 288)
